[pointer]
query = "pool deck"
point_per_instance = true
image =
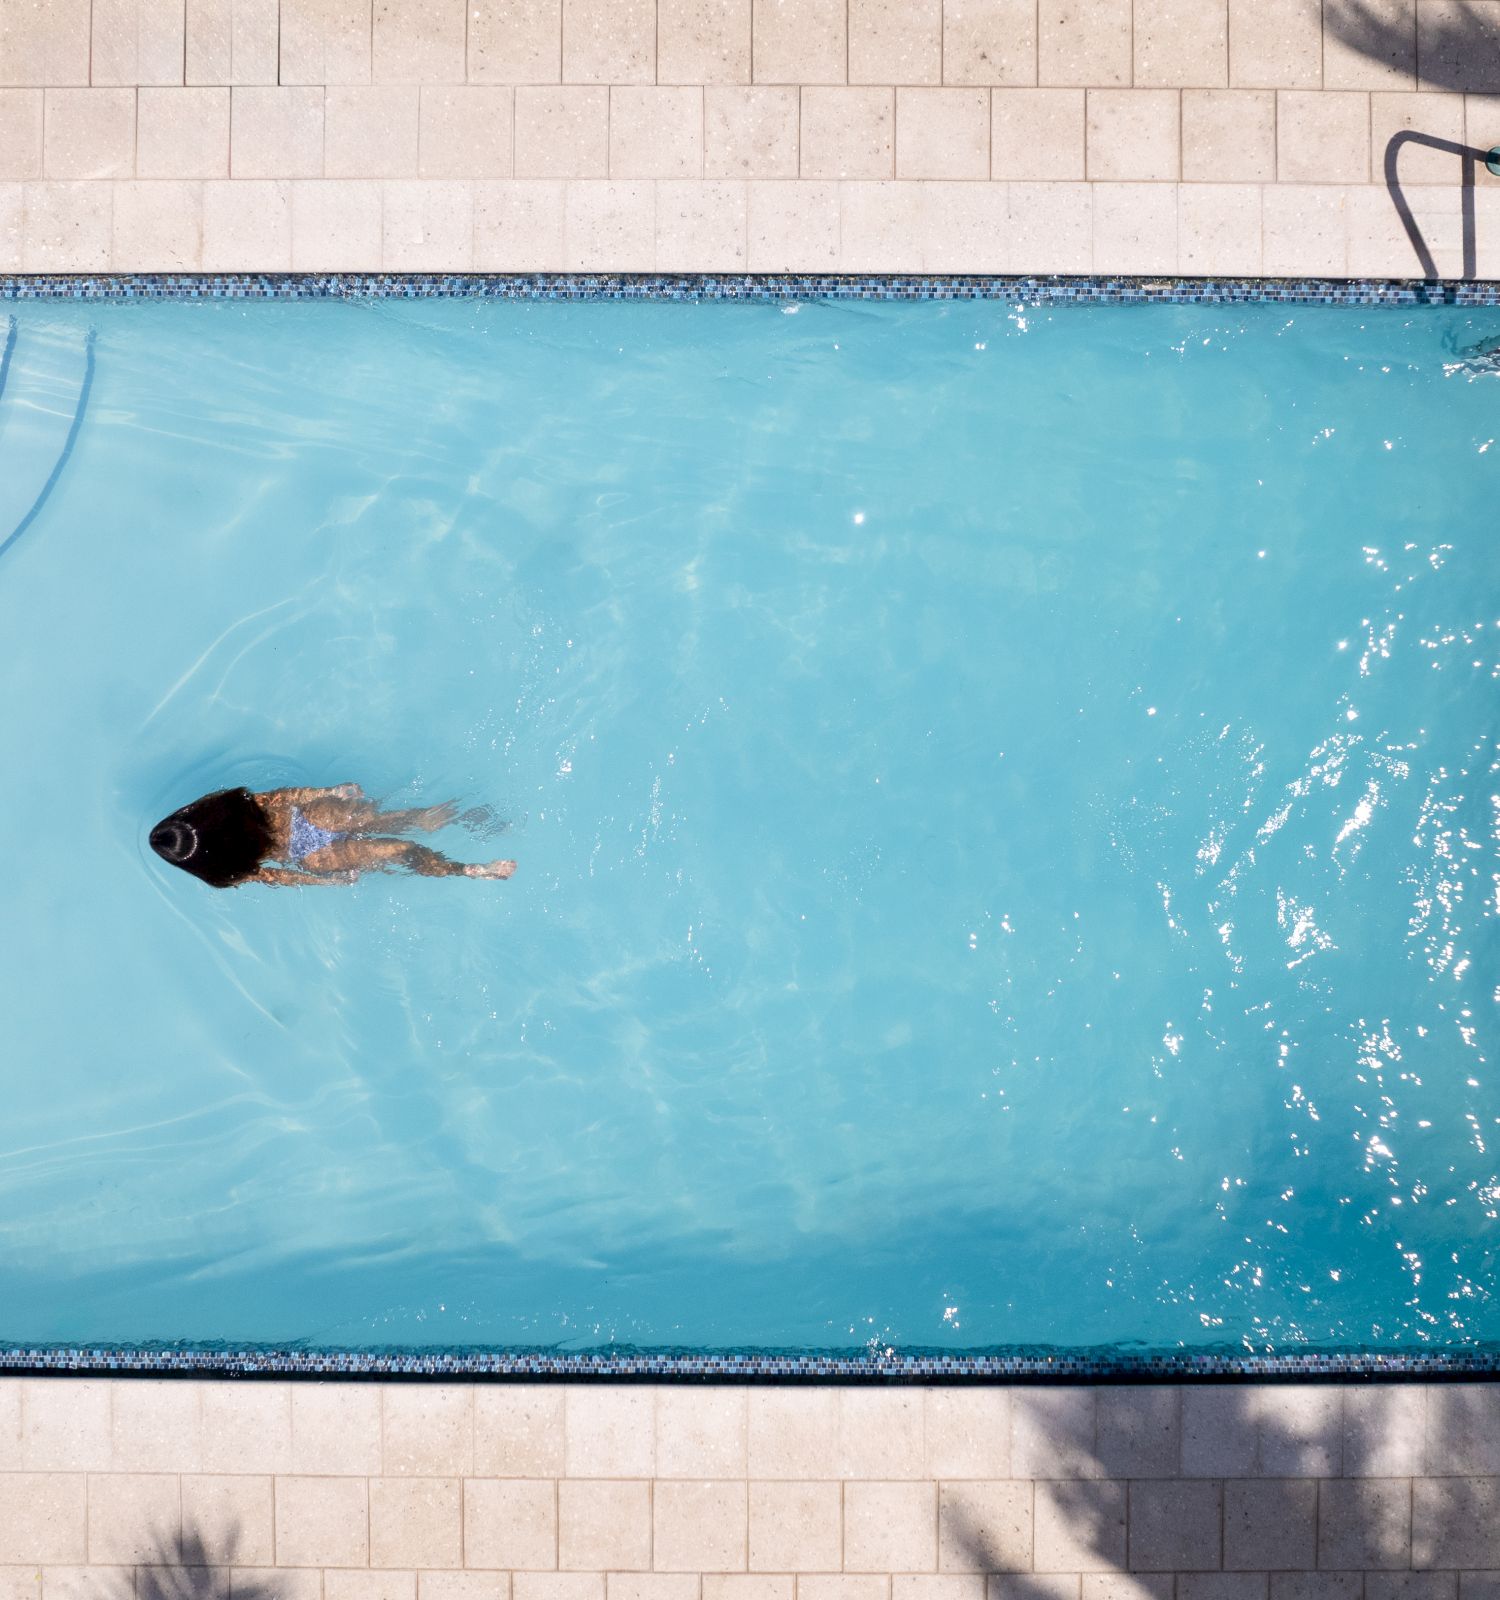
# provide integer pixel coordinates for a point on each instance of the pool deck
(1206, 137)
(362, 1491)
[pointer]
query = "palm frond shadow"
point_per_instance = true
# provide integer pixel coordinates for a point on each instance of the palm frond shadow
(193, 1566)
(1456, 48)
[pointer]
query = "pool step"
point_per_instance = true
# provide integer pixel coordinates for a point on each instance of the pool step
(45, 377)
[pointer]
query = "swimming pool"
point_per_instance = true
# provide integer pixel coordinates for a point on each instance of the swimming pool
(1003, 794)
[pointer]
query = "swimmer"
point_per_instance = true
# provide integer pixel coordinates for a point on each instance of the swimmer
(296, 836)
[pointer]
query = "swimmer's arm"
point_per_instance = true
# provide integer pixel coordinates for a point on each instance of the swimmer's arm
(302, 797)
(281, 877)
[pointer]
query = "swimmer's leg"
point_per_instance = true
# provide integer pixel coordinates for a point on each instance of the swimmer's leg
(365, 816)
(399, 855)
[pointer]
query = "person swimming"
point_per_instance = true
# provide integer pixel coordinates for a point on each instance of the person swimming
(297, 836)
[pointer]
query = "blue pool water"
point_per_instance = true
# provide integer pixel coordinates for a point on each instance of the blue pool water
(1005, 802)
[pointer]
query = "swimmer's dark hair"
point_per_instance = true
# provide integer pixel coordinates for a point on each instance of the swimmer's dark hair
(222, 838)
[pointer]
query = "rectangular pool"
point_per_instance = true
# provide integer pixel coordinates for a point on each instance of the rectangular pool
(1005, 799)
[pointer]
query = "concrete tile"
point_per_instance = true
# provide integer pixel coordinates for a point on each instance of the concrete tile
(1037, 135)
(247, 1427)
(651, 1586)
(135, 41)
(208, 44)
(1218, 1435)
(370, 132)
(704, 1431)
(880, 1434)
(1384, 1429)
(1317, 1585)
(326, 41)
(557, 1586)
(335, 1426)
(1322, 137)
(848, 133)
(562, 132)
(10, 1388)
(1035, 1586)
(285, 1583)
(515, 41)
(1181, 44)
(247, 226)
(989, 42)
(321, 1521)
(1463, 1429)
(12, 226)
(427, 1429)
(65, 1422)
(21, 1583)
(45, 44)
(938, 1586)
(234, 1517)
(699, 1527)
(609, 41)
(132, 1515)
(276, 133)
(65, 228)
(655, 133)
(1138, 1435)
(1228, 136)
(1455, 1524)
(418, 41)
(20, 158)
(703, 41)
(611, 1429)
(1437, 116)
(1083, 43)
(896, 41)
(1051, 230)
(1133, 135)
(1175, 1526)
(1079, 1525)
(518, 227)
(791, 227)
(968, 1430)
(1481, 130)
(1053, 1432)
(510, 1522)
(1387, 55)
(182, 133)
(253, 41)
(1305, 231)
(700, 227)
(427, 226)
(795, 1527)
(984, 1527)
(799, 41)
(942, 133)
(1411, 1586)
(336, 227)
(43, 1515)
(1458, 45)
(158, 227)
(1299, 1429)
(416, 1522)
(603, 1525)
(466, 133)
(965, 227)
(1127, 1586)
(86, 1583)
(462, 1586)
(1471, 1586)
(828, 1587)
(750, 133)
(890, 1527)
(1275, 44)
(1364, 1523)
(880, 227)
(1270, 1523)
(90, 133)
(1222, 1586)
(1379, 245)
(369, 1585)
(754, 1586)
(1219, 230)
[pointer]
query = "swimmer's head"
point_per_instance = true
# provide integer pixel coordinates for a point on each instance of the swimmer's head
(222, 838)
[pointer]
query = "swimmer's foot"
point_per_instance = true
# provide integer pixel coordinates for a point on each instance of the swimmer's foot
(490, 869)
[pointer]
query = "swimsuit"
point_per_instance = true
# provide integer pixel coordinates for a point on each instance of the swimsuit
(308, 836)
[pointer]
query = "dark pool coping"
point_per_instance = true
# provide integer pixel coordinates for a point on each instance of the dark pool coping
(1036, 290)
(882, 1367)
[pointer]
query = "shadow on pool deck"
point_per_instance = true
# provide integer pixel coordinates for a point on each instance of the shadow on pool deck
(1449, 47)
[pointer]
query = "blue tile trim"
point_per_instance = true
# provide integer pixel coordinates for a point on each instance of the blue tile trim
(748, 286)
(886, 1366)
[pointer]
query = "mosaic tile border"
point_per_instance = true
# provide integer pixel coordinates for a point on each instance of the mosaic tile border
(1052, 290)
(886, 1366)
(880, 1365)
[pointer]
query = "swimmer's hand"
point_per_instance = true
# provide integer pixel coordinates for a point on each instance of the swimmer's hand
(346, 791)
(490, 869)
